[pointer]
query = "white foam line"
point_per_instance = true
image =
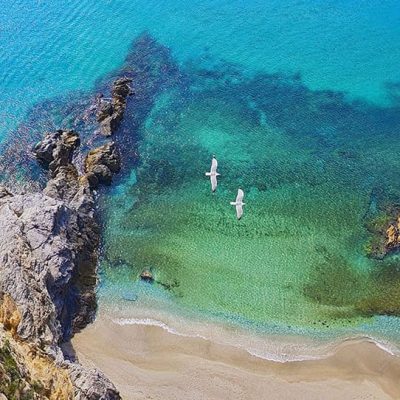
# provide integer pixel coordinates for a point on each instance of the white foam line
(154, 322)
(385, 346)
(283, 358)
(164, 326)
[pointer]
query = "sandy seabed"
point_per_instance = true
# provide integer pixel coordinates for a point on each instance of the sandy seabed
(148, 362)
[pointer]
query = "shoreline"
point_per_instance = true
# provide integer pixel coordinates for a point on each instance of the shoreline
(149, 362)
(294, 344)
(273, 343)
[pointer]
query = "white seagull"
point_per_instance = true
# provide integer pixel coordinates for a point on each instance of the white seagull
(213, 173)
(239, 203)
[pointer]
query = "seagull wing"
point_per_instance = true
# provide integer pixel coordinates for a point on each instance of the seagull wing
(239, 211)
(213, 182)
(240, 195)
(214, 165)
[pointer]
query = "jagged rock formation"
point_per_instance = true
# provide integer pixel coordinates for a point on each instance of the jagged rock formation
(110, 113)
(55, 153)
(101, 164)
(152, 69)
(385, 233)
(393, 236)
(57, 149)
(48, 261)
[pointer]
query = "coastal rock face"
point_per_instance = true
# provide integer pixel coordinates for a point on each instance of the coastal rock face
(48, 261)
(91, 384)
(34, 254)
(101, 163)
(48, 253)
(55, 153)
(78, 233)
(110, 113)
(57, 149)
(47, 279)
(28, 373)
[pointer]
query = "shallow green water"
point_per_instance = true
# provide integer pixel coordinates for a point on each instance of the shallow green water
(297, 257)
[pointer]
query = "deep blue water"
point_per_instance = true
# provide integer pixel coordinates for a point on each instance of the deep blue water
(50, 47)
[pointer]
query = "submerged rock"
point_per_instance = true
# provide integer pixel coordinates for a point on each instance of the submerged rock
(130, 297)
(147, 276)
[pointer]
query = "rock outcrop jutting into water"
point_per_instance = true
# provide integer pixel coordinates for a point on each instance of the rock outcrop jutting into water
(48, 256)
(101, 163)
(111, 112)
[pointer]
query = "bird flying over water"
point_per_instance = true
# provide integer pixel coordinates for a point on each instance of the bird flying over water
(213, 174)
(239, 203)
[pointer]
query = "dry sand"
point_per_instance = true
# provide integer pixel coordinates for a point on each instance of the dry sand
(147, 362)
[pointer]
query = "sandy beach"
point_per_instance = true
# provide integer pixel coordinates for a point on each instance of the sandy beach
(147, 362)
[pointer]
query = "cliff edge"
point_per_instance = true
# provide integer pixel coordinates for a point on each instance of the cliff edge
(48, 262)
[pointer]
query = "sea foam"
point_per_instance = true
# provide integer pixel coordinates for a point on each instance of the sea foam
(281, 352)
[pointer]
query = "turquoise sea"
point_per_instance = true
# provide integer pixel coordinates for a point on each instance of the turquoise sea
(299, 101)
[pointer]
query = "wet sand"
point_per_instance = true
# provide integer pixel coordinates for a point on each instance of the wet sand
(147, 362)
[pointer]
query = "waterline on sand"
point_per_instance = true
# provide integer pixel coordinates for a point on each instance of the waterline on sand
(325, 351)
(278, 346)
(147, 360)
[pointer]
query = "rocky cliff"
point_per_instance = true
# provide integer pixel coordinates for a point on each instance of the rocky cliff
(48, 261)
